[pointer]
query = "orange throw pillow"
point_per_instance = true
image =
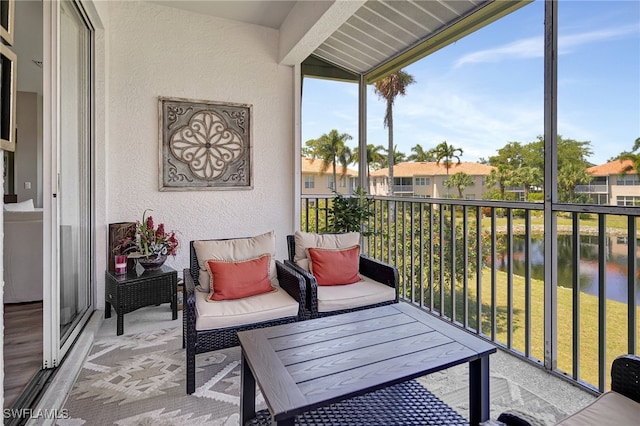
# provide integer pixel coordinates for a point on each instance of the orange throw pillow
(235, 280)
(335, 266)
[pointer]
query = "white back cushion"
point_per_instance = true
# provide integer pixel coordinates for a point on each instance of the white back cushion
(305, 240)
(234, 250)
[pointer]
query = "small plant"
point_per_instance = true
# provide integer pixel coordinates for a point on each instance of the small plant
(350, 214)
(148, 241)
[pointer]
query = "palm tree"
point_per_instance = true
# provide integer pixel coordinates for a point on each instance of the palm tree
(374, 158)
(634, 157)
(398, 157)
(446, 152)
(419, 154)
(388, 88)
(331, 149)
(527, 177)
(568, 177)
(459, 180)
(499, 176)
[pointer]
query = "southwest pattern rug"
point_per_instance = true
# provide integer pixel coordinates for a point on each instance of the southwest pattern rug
(139, 379)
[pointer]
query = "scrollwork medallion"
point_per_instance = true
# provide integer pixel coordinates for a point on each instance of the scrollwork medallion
(204, 145)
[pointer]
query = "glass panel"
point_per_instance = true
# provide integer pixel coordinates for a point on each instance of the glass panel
(478, 100)
(329, 135)
(598, 164)
(598, 108)
(74, 168)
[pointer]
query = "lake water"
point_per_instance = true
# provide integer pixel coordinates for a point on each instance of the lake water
(616, 268)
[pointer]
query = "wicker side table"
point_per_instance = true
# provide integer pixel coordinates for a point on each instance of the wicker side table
(126, 293)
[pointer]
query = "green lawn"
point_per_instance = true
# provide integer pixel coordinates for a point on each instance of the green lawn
(616, 321)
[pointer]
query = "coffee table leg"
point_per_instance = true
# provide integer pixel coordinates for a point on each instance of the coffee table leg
(247, 392)
(479, 390)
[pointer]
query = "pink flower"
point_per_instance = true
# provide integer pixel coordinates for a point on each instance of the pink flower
(153, 242)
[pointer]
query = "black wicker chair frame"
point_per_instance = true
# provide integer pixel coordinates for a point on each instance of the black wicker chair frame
(625, 376)
(372, 268)
(201, 341)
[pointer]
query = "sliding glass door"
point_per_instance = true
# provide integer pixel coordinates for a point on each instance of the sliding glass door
(74, 167)
(68, 118)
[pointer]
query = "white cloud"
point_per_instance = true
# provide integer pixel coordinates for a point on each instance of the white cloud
(525, 48)
(565, 43)
(533, 47)
(476, 123)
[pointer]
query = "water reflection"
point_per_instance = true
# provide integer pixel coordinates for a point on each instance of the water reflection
(616, 267)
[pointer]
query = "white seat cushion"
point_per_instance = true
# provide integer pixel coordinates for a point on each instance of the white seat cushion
(611, 408)
(229, 313)
(23, 206)
(366, 292)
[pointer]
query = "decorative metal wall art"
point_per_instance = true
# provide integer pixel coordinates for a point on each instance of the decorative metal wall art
(204, 145)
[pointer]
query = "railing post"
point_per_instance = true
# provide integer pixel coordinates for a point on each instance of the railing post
(602, 302)
(550, 183)
(494, 276)
(479, 269)
(576, 295)
(509, 278)
(632, 320)
(527, 284)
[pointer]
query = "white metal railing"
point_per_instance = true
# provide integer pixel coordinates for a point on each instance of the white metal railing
(592, 189)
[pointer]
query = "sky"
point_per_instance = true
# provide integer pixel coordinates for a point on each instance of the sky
(487, 89)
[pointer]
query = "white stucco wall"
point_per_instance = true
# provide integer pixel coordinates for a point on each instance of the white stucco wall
(153, 51)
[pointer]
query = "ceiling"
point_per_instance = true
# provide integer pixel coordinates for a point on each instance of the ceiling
(369, 37)
(374, 37)
(267, 13)
(380, 30)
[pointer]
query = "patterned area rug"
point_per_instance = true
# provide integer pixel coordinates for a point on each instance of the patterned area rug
(139, 379)
(451, 387)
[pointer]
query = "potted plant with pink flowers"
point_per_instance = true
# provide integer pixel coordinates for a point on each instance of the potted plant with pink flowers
(150, 245)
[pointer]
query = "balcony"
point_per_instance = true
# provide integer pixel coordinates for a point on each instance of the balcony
(402, 189)
(480, 274)
(592, 189)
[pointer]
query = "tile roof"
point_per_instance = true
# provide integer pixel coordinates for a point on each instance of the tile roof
(614, 167)
(434, 169)
(310, 165)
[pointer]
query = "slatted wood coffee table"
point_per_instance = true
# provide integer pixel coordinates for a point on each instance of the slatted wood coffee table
(311, 364)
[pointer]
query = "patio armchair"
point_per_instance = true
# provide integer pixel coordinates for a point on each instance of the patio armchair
(249, 289)
(350, 282)
(619, 406)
